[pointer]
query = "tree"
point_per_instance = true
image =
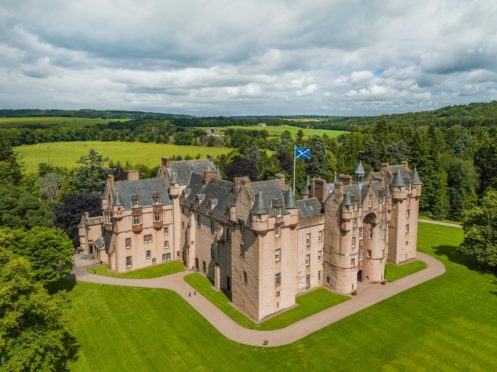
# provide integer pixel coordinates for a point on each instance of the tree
(69, 211)
(48, 250)
(183, 138)
(480, 231)
(50, 185)
(10, 167)
(19, 209)
(239, 166)
(92, 175)
(35, 333)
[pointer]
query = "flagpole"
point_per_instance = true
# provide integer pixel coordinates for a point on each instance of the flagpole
(294, 161)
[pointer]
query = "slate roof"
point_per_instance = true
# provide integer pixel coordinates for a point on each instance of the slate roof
(99, 243)
(185, 168)
(358, 191)
(271, 194)
(398, 179)
(309, 208)
(144, 189)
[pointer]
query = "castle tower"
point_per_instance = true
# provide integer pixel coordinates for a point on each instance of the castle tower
(399, 246)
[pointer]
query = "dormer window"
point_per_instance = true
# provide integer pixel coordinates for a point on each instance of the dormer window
(156, 197)
(278, 212)
(134, 200)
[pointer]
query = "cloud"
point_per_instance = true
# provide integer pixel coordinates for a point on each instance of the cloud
(252, 57)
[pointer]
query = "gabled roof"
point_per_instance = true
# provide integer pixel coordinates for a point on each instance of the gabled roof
(309, 208)
(144, 189)
(185, 168)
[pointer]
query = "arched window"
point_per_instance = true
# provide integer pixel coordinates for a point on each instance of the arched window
(134, 200)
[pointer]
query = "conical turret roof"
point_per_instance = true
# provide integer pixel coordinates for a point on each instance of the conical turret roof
(398, 180)
(347, 200)
(415, 178)
(360, 169)
(174, 179)
(307, 188)
(117, 199)
(259, 207)
(290, 202)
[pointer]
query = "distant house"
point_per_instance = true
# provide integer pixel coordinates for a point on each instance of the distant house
(213, 132)
(262, 125)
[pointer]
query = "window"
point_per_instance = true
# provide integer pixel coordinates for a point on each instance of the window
(370, 201)
(166, 257)
(213, 253)
(361, 232)
(166, 231)
(213, 227)
(307, 281)
(147, 238)
(129, 262)
(277, 230)
(277, 255)
(320, 236)
(307, 260)
(156, 198)
(108, 218)
(204, 266)
(127, 243)
(354, 223)
(278, 293)
(408, 213)
(369, 253)
(245, 277)
(228, 235)
(352, 262)
(278, 212)
(148, 254)
(134, 200)
(277, 279)
(166, 244)
(353, 242)
(407, 229)
(356, 206)
(137, 219)
(308, 240)
(319, 276)
(157, 216)
(242, 250)
(320, 256)
(198, 219)
(371, 232)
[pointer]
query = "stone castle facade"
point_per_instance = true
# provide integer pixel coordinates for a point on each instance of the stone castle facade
(253, 240)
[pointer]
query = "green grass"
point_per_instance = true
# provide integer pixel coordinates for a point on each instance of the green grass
(277, 130)
(65, 154)
(48, 121)
(428, 218)
(148, 272)
(309, 303)
(445, 324)
(394, 272)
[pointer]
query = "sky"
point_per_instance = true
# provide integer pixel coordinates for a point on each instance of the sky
(250, 57)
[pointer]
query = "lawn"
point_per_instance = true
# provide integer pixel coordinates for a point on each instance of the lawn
(48, 121)
(277, 130)
(67, 153)
(309, 303)
(394, 272)
(148, 272)
(445, 324)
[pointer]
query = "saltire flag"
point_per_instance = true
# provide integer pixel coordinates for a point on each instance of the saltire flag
(302, 153)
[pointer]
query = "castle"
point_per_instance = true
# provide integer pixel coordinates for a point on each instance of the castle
(253, 240)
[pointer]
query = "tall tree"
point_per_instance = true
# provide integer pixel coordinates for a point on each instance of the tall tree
(35, 333)
(91, 176)
(10, 167)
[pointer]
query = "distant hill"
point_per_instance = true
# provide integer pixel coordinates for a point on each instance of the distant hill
(87, 113)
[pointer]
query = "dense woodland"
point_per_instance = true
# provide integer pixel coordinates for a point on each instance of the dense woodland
(454, 150)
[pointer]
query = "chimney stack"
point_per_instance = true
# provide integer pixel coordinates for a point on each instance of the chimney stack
(405, 164)
(209, 175)
(319, 189)
(165, 161)
(133, 175)
(345, 179)
(384, 168)
(282, 181)
(209, 157)
(110, 181)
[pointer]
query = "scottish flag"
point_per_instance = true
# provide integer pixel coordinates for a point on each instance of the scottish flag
(302, 153)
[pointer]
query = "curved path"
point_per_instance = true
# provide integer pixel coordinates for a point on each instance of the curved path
(232, 330)
(441, 223)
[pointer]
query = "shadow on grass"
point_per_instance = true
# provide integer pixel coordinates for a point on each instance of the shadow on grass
(66, 284)
(72, 347)
(453, 255)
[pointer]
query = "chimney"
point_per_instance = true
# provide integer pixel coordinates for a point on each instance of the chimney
(281, 179)
(384, 168)
(405, 164)
(345, 179)
(133, 175)
(209, 175)
(319, 189)
(209, 157)
(110, 182)
(165, 162)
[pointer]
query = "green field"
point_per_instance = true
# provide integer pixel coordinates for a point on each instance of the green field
(308, 304)
(394, 272)
(148, 272)
(49, 121)
(66, 154)
(276, 131)
(446, 324)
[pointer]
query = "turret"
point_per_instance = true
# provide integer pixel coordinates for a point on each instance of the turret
(174, 190)
(259, 213)
(359, 172)
(307, 189)
(346, 207)
(398, 186)
(290, 202)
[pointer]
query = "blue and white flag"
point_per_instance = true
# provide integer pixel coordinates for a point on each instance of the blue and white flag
(302, 153)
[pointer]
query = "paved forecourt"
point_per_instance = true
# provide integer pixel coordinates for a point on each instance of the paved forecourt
(232, 330)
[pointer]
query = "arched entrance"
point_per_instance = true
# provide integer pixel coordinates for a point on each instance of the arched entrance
(359, 276)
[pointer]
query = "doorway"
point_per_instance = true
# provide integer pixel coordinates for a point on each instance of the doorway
(359, 276)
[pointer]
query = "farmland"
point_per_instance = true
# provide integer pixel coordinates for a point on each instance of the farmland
(50, 121)
(276, 131)
(65, 154)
